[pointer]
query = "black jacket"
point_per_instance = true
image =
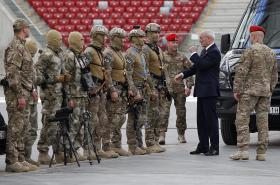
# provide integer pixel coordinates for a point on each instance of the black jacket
(206, 68)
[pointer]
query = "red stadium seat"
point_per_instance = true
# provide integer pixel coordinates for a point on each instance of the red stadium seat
(95, 10)
(37, 4)
(187, 21)
(173, 15)
(114, 4)
(186, 27)
(59, 28)
(178, 3)
(150, 15)
(174, 27)
(92, 15)
(135, 3)
(63, 9)
(109, 21)
(164, 27)
(166, 21)
(124, 3)
(70, 15)
(65, 34)
(81, 15)
(63, 21)
(202, 2)
(47, 16)
(119, 9)
(120, 22)
(52, 22)
(156, 20)
(153, 9)
(177, 21)
(74, 9)
(58, 4)
(51, 10)
(108, 10)
(146, 3)
(75, 21)
(198, 9)
(186, 9)
(127, 15)
(104, 15)
(115, 15)
(81, 4)
(131, 9)
(85, 9)
(132, 21)
(69, 3)
(47, 3)
(58, 15)
(144, 21)
(142, 9)
(86, 21)
(91, 3)
(139, 15)
(69, 28)
(184, 15)
(191, 3)
(176, 9)
(194, 16)
(157, 3)
(41, 10)
(81, 28)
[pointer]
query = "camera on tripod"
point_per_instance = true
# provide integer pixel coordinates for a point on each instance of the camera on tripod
(62, 115)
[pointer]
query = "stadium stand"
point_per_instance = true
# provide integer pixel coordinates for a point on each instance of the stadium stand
(66, 16)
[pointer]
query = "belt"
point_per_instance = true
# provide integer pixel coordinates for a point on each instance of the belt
(97, 80)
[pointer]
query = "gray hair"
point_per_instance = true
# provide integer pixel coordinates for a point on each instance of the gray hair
(209, 33)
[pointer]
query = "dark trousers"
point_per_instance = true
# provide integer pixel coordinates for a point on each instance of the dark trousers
(207, 124)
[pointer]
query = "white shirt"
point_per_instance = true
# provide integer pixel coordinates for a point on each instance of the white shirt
(205, 48)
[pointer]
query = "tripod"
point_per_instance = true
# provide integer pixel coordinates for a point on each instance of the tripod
(63, 133)
(88, 141)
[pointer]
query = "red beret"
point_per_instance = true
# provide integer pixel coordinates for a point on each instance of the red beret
(254, 28)
(171, 37)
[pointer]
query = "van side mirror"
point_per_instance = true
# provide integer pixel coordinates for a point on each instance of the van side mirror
(225, 43)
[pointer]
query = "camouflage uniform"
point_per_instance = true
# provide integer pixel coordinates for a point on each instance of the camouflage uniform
(48, 68)
(20, 74)
(158, 109)
(31, 46)
(115, 62)
(256, 77)
(175, 64)
(97, 105)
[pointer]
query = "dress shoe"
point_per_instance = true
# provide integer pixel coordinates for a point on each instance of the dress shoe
(196, 152)
(212, 152)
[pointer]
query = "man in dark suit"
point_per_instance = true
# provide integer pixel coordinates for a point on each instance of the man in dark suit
(206, 68)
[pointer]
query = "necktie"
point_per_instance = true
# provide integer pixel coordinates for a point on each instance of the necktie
(203, 52)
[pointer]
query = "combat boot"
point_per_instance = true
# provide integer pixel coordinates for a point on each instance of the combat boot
(121, 151)
(144, 149)
(90, 156)
(181, 138)
(44, 158)
(161, 149)
(31, 161)
(30, 166)
(107, 154)
(260, 157)
(16, 167)
(240, 155)
(153, 149)
(161, 139)
(136, 150)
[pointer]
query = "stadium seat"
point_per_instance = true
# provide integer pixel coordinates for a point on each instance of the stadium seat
(69, 28)
(81, 28)
(59, 28)
(135, 3)
(91, 3)
(62, 9)
(75, 21)
(58, 15)
(63, 21)
(92, 15)
(86, 21)
(115, 15)
(52, 22)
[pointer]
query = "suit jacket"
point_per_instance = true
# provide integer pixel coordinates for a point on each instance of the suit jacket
(206, 68)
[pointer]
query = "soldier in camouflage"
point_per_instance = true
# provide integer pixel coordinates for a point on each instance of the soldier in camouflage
(140, 88)
(50, 76)
(97, 105)
(256, 77)
(115, 63)
(175, 63)
(158, 109)
(31, 46)
(19, 75)
(74, 63)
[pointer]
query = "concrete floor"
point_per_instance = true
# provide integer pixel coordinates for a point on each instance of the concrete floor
(176, 166)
